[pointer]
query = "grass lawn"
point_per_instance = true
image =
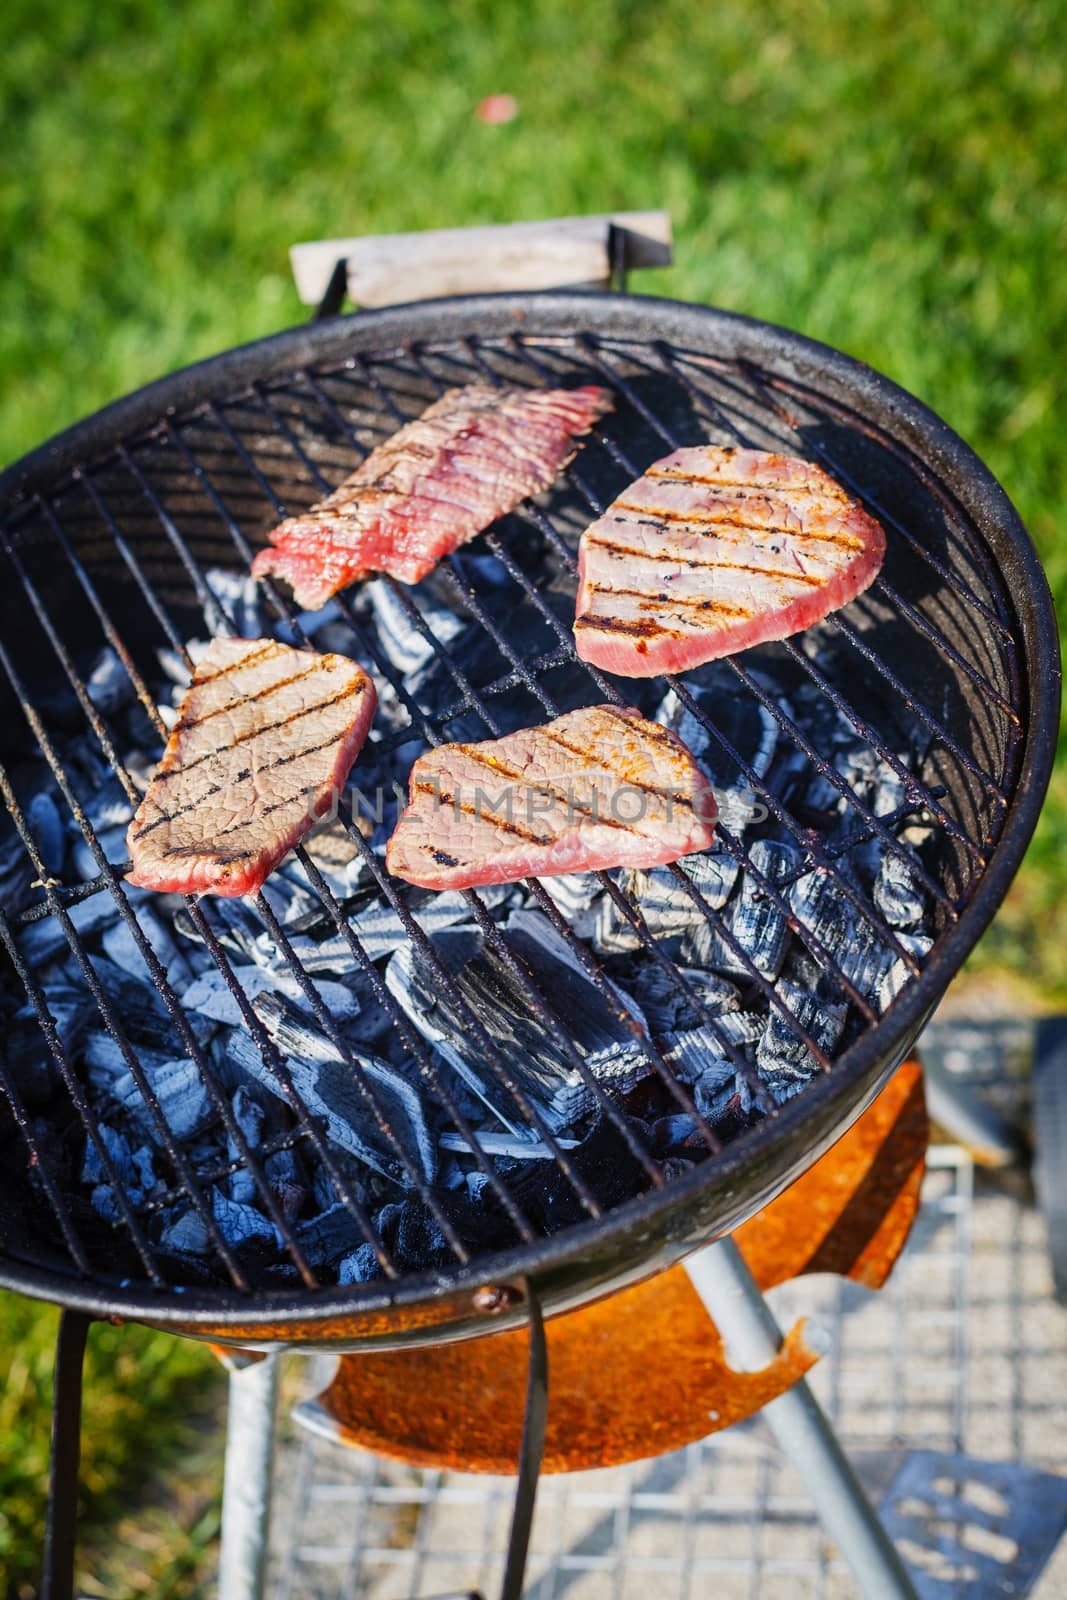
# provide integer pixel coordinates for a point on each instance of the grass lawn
(885, 175)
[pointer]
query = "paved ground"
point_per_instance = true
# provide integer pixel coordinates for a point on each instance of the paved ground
(963, 1355)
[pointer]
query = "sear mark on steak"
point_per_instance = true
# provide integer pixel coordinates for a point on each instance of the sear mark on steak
(714, 550)
(265, 737)
(596, 788)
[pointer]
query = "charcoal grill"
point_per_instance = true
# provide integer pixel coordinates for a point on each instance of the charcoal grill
(109, 532)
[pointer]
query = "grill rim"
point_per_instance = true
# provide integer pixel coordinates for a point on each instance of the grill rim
(606, 1247)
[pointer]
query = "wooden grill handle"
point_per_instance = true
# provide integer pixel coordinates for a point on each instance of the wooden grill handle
(567, 252)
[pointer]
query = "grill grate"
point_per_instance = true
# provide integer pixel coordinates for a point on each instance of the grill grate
(117, 553)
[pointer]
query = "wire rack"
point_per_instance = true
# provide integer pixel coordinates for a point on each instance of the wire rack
(961, 1354)
(159, 509)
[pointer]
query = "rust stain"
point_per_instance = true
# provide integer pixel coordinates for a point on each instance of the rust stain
(643, 1371)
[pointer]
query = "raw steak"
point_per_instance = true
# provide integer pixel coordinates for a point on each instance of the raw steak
(714, 550)
(597, 788)
(443, 478)
(266, 737)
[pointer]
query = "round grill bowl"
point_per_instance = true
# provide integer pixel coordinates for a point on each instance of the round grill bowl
(960, 626)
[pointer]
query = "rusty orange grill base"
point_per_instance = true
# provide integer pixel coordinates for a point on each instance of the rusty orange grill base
(643, 1371)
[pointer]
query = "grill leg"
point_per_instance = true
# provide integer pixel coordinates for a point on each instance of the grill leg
(721, 1278)
(247, 1480)
(58, 1579)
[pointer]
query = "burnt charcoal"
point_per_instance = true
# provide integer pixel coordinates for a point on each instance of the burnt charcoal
(185, 1233)
(210, 995)
(293, 1029)
(691, 1055)
(120, 1153)
(870, 778)
(408, 650)
(825, 911)
(714, 1089)
(362, 1266)
(508, 1145)
(286, 1177)
(534, 1054)
(678, 1135)
(897, 894)
(26, 1051)
(42, 941)
(241, 597)
(233, 923)
(108, 684)
(667, 906)
(102, 1055)
(180, 1090)
(603, 1160)
(120, 946)
(758, 927)
(784, 1060)
(249, 1116)
(112, 842)
(740, 1027)
(243, 1225)
(917, 945)
(335, 856)
(744, 724)
(17, 873)
(379, 930)
(575, 895)
(413, 1236)
(667, 1006)
(142, 1014)
(46, 826)
(329, 1236)
(327, 1083)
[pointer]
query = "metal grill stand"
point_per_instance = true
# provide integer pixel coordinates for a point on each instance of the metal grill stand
(733, 1299)
(236, 430)
(723, 1281)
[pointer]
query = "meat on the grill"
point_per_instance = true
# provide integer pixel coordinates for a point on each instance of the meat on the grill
(472, 456)
(265, 738)
(596, 788)
(714, 550)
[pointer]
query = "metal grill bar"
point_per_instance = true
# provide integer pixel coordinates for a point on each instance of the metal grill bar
(547, 1015)
(786, 723)
(38, 1161)
(296, 967)
(549, 1018)
(111, 1022)
(411, 926)
(804, 837)
(220, 1100)
(466, 592)
(277, 412)
(757, 978)
(59, 1055)
(103, 1002)
(271, 1056)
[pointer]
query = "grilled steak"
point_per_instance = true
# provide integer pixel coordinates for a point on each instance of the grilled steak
(265, 737)
(443, 478)
(597, 788)
(714, 550)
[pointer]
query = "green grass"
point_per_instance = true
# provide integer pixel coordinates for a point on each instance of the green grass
(890, 177)
(151, 1457)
